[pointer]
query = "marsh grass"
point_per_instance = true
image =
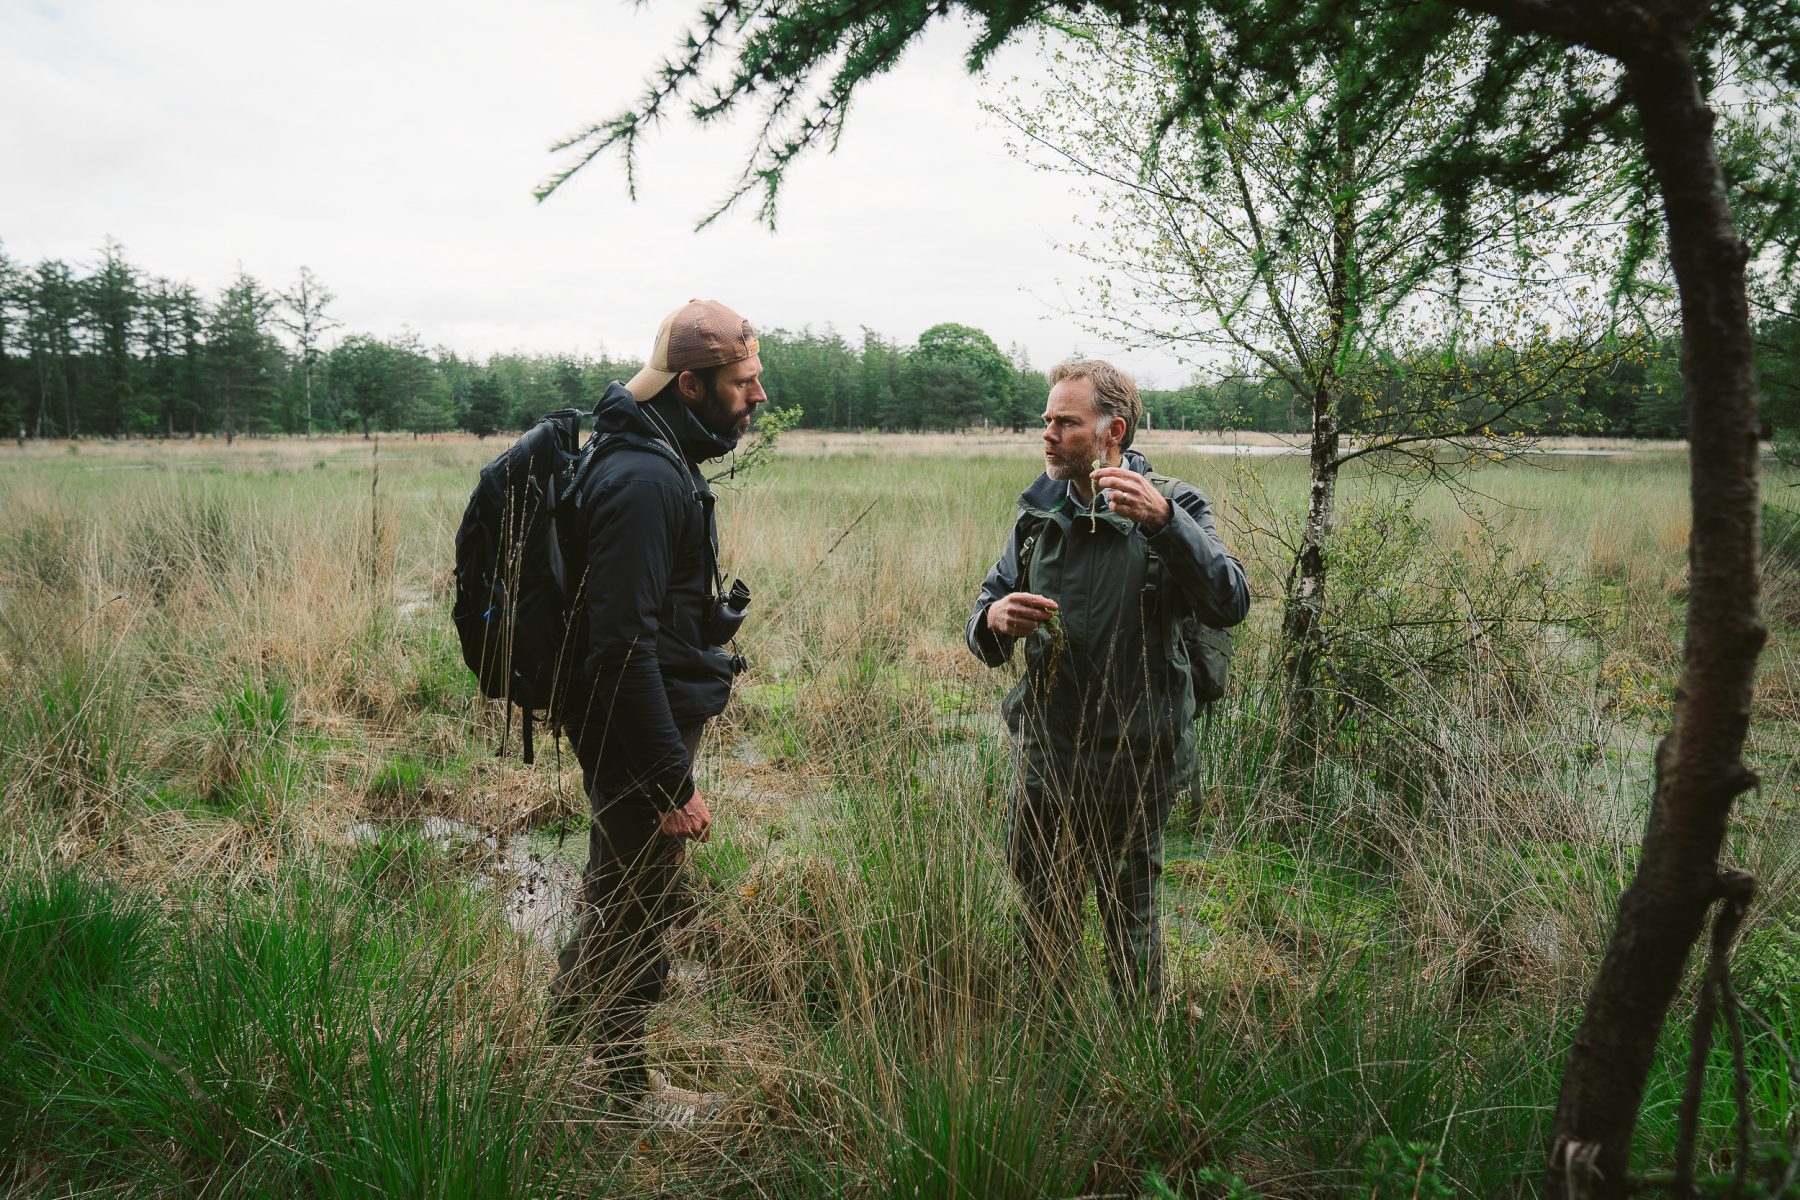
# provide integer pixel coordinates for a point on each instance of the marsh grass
(207, 987)
(294, 1042)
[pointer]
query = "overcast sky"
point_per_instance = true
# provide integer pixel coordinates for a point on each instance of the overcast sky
(392, 146)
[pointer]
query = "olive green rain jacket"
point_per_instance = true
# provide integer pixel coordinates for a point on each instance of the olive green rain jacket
(1104, 709)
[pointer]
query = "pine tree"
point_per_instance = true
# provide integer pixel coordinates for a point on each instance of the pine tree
(488, 410)
(52, 311)
(242, 354)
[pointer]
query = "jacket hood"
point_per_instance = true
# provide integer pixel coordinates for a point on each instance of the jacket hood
(620, 412)
(1045, 493)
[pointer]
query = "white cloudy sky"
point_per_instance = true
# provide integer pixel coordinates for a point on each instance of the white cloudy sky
(392, 146)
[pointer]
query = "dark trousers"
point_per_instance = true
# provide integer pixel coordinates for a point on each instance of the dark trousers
(615, 965)
(1056, 847)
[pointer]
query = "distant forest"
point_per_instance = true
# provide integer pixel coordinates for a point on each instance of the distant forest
(108, 350)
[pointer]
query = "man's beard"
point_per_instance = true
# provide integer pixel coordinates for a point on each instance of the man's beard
(716, 413)
(1060, 467)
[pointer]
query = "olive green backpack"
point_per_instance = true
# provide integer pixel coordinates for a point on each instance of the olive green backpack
(1209, 649)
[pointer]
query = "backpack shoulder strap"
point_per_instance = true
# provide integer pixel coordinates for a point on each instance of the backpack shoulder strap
(597, 445)
(1031, 527)
(602, 444)
(1155, 575)
(1209, 649)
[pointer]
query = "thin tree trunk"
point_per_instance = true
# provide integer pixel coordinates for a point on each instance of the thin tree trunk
(1306, 582)
(1301, 634)
(1699, 764)
(43, 398)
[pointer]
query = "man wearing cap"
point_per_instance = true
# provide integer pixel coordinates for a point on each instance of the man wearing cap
(654, 671)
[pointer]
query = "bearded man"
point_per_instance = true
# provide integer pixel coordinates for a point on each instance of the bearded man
(656, 670)
(1108, 562)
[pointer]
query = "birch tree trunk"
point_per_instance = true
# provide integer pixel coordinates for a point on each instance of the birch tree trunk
(1301, 632)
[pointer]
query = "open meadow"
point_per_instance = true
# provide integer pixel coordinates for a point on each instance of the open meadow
(275, 918)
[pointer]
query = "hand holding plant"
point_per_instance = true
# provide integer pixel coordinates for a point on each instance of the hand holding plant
(1133, 496)
(1019, 613)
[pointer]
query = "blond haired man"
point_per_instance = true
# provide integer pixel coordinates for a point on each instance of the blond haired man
(1106, 562)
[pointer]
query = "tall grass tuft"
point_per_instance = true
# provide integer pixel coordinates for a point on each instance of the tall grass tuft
(249, 765)
(71, 736)
(68, 947)
(298, 1042)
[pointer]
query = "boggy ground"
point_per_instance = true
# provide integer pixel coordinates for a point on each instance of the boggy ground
(271, 919)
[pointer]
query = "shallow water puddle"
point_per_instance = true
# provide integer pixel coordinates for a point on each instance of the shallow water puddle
(538, 890)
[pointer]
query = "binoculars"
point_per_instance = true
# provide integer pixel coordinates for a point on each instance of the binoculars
(727, 614)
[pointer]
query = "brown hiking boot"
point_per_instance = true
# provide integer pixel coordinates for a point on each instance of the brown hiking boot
(684, 1109)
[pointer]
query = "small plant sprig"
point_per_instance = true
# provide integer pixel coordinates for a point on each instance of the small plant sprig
(1219, 1182)
(1094, 508)
(1396, 1170)
(769, 428)
(1058, 639)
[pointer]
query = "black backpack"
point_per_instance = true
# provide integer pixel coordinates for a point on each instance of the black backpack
(515, 594)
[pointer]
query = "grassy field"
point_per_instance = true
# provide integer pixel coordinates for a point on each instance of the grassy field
(272, 916)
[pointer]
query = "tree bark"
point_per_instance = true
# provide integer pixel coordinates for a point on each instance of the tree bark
(1301, 633)
(1306, 582)
(1699, 764)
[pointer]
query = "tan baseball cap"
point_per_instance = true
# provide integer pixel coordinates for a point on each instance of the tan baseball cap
(699, 334)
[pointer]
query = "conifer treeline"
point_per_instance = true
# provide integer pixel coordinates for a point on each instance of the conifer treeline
(110, 350)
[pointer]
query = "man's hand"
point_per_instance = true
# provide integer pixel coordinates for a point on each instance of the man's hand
(1134, 497)
(1018, 613)
(692, 820)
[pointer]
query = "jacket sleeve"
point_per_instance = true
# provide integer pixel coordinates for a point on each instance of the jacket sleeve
(1207, 574)
(633, 528)
(990, 647)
